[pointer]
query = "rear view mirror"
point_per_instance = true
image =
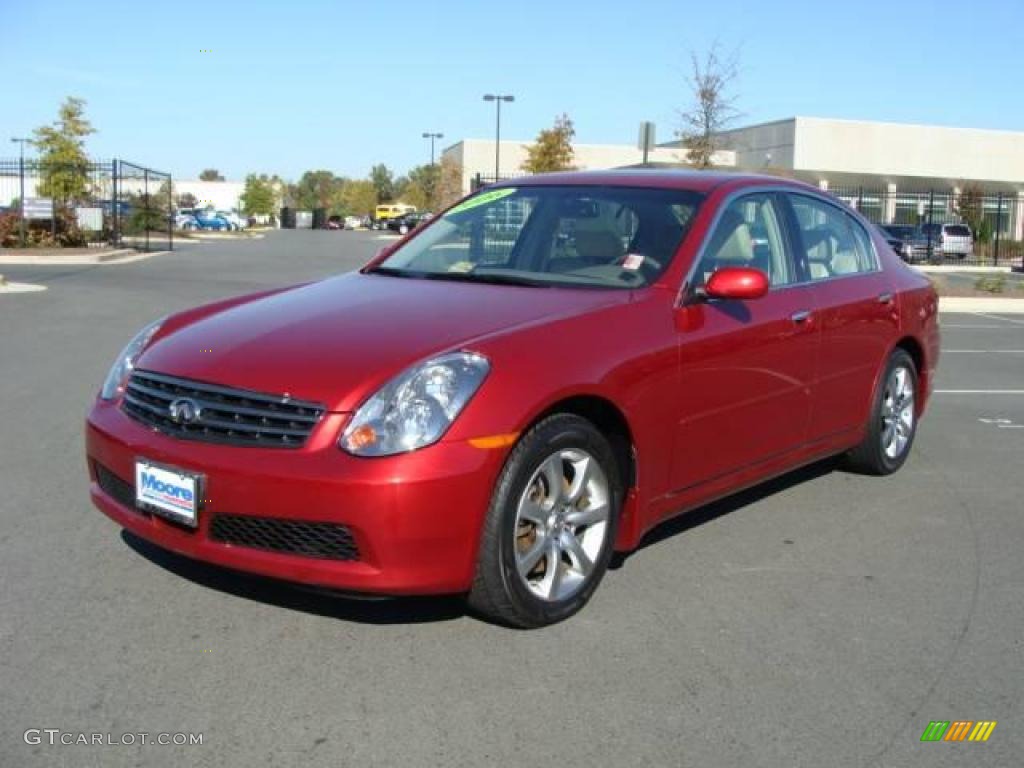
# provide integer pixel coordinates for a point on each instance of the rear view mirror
(742, 283)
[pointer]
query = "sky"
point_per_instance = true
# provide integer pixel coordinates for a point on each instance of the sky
(286, 87)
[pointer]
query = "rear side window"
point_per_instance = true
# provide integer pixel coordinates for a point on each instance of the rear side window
(834, 242)
(957, 230)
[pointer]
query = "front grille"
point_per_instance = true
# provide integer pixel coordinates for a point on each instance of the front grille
(116, 488)
(225, 415)
(293, 537)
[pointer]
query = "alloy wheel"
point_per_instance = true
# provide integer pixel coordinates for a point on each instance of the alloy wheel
(561, 524)
(897, 412)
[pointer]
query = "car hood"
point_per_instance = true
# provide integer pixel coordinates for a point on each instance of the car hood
(338, 340)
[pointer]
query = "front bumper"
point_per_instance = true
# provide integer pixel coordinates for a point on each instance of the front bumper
(415, 518)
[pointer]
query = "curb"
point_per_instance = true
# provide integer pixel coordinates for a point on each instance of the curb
(972, 304)
(938, 269)
(75, 260)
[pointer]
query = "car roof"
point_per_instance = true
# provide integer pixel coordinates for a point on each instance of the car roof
(656, 178)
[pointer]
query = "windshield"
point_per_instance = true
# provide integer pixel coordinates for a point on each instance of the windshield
(604, 237)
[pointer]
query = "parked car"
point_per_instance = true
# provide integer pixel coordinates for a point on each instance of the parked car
(235, 221)
(495, 417)
(406, 223)
(387, 211)
(186, 221)
(954, 240)
(209, 220)
(354, 222)
(335, 222)
(907, 241)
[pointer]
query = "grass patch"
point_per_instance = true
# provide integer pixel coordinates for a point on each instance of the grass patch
(991, 284)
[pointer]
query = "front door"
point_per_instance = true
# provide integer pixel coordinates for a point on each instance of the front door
(747, 367)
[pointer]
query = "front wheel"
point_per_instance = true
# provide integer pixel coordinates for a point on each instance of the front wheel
(893, 422)
(550, 527)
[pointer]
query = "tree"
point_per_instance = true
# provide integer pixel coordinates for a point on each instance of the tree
(359, 197)
(713, 106)
(420, 188)
(258, 198)
(63, 163)
(210, 174)
(187, 200)
(552, 151)
(384, 182)
(970, 207)
(449, 182)
(316, 189)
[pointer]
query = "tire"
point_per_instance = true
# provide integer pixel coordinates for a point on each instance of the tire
(893, 422)
(513, 584)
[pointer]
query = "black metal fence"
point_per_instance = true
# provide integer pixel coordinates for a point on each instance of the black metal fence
(98, 202)
(925, 219)
(932, 222)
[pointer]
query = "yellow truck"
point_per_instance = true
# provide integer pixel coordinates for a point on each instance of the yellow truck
(386, 211)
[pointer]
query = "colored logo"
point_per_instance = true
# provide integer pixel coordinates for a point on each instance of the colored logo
(185, 411)
(958, 730)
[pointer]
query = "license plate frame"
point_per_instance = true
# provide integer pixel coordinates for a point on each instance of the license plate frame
(172, 493)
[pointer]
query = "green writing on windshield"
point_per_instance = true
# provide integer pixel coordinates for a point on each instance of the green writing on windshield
(482, 199)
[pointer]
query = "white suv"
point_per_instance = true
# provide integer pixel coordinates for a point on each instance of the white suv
(952, 240)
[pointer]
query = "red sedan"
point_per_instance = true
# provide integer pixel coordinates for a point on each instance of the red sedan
(529, 382)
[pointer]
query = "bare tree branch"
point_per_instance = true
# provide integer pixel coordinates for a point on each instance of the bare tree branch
(713, 105)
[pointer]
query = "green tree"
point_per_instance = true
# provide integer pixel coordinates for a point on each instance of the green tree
(63, 162)
(316, 189)
(359, 197)
(713, 105)
(552, 151)
(210, 174)
(421, 187)
(259, 198)
(384, 182)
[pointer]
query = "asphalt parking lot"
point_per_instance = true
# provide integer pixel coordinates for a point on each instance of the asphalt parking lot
(823, 619)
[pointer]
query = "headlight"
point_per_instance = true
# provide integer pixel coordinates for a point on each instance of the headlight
(124, 364)
(416, 407)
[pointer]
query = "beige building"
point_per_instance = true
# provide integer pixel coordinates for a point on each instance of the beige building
(889, 167)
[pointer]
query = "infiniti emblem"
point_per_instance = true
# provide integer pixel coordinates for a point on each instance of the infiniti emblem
(184, 411)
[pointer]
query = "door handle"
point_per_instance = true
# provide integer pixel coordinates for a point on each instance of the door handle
(801, 317)
(885, 298)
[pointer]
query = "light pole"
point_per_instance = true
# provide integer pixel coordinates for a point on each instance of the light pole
(497, 98)
(21, 190)
(432, 136)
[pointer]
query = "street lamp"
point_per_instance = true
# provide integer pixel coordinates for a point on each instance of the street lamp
(497, 98)
(432, 136)
(21, 184)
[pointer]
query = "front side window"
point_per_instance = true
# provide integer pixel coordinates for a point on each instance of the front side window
(577, 236)
(748, 234)
(834, 242)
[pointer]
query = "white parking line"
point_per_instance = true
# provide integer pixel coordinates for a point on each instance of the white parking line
(979, 391)
(966, 325)
(997, 317)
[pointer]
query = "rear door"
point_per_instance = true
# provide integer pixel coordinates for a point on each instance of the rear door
(856, 311)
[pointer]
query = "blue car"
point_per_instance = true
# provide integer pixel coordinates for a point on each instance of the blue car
(210, 221)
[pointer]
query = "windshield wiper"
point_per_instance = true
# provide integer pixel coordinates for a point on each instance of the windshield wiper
(493, 278)
(394, 272)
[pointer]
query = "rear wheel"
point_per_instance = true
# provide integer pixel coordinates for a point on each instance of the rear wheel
(893, 422)
(550, 527)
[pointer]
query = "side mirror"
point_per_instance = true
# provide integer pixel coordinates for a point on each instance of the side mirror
(742, 283)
